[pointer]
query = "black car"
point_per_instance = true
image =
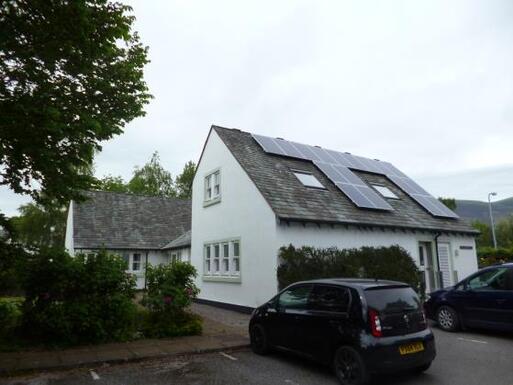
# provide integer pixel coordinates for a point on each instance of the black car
(483, 300)
(358, 326)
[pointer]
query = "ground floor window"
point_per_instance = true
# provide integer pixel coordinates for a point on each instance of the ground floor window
(136, 262)
(225, 256)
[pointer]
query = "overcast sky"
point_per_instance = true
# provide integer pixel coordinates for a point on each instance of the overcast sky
(426, 85)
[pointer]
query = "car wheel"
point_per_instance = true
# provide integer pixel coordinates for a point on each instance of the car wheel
(258, 340)
(447, 319)
(349, 367)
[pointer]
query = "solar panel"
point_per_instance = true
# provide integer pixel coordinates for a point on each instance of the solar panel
(337, 167)
(352, 186)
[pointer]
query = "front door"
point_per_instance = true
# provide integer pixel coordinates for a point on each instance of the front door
(428, 266)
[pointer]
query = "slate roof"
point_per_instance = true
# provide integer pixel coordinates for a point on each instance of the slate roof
(127, 221)
(291, 201)
(182, 241)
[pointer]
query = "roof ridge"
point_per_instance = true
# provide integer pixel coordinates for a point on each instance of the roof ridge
(141, 195)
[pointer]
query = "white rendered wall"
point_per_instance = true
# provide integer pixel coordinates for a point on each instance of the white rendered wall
(68, 240)
(463, 261)
(242, 213)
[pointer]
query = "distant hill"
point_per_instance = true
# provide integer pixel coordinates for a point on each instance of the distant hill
(479, 210)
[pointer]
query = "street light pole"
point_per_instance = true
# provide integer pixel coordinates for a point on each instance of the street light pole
(492, 194)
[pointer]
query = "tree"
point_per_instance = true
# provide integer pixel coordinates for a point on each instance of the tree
(152, 179)
(485, 238)
(40, 226)
(449, 202)
(112, 183)
(71, 76)
(183, 182)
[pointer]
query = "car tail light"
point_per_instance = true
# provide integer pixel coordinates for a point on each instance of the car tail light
(375, 323)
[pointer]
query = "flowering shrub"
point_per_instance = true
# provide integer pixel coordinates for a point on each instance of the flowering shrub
(82, 299)
(170, 290)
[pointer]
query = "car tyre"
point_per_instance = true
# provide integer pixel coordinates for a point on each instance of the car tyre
(447, 319)
(349, 367)
(258, 339)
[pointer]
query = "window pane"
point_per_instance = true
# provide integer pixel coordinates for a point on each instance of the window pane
(236, 251)
(236, 265)
(207, 251)
(216, 251)
(385, 191)
(329, 298)
(207, 266)
(295, 298)
(226, 250)
(225, 265)
(216, 265)
(495, 279)
(308, 180)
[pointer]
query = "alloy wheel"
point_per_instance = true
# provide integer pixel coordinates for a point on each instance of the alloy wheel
(445, 319)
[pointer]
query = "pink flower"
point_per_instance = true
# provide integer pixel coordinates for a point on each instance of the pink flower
(189, 291)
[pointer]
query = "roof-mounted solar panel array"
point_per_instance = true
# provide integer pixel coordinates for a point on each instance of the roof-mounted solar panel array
(337, 167)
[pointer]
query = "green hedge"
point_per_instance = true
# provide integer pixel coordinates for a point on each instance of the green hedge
(81, 299)
(299, 264)
(10, 315)
(170, 290)
(490, 256)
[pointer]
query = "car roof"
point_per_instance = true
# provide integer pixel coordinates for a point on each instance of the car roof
(357, 283)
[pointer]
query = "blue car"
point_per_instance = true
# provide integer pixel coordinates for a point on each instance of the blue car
(482, 300)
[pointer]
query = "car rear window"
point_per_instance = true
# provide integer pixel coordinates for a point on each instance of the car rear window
(392, 299)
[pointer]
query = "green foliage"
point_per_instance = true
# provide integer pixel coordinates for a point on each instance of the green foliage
(12, 259)
(449, 202)
(503, 232)
(152, 179)
(183, 182)
(82, 299)
(170, 290)
(40, 226)
(72, 76)
(489, 256)
(394, 263)
(112, 183)
(10, 315)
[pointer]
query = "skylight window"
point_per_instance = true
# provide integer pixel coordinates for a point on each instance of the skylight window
(308, 179)
(385, 191)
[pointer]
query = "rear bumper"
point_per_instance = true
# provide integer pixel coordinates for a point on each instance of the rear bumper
(384, 355)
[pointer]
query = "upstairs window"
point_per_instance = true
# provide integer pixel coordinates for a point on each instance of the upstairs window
(308, 179)
(385, 191)
(213, 187)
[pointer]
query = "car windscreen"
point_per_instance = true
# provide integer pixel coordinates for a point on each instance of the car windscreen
(392, 299)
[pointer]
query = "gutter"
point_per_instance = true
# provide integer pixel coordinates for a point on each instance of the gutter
(440, 277)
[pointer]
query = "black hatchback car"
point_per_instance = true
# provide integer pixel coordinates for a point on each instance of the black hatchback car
(482, 300)
(358, 326)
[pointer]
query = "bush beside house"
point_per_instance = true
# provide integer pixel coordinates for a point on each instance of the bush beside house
(488, 256)
(170, 290)
(299, 264)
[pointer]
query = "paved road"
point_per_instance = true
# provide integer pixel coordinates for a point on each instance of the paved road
(463, 359)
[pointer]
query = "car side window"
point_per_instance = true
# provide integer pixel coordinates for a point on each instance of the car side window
(493, 279)
(295, 298)
(330, 298)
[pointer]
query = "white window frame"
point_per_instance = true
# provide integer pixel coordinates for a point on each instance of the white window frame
(232, 261)
(212, 187)
(134, 262)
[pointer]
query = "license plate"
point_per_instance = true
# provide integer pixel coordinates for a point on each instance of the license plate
(411, 348)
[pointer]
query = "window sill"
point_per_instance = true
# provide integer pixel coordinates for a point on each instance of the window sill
(228, 279)
(212, 201)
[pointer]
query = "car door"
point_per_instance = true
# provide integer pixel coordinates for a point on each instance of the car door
(325, 320)
(490, 299)
(291, 306)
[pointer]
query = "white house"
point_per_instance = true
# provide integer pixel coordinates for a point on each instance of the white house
(142, 229)
(252, 195)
